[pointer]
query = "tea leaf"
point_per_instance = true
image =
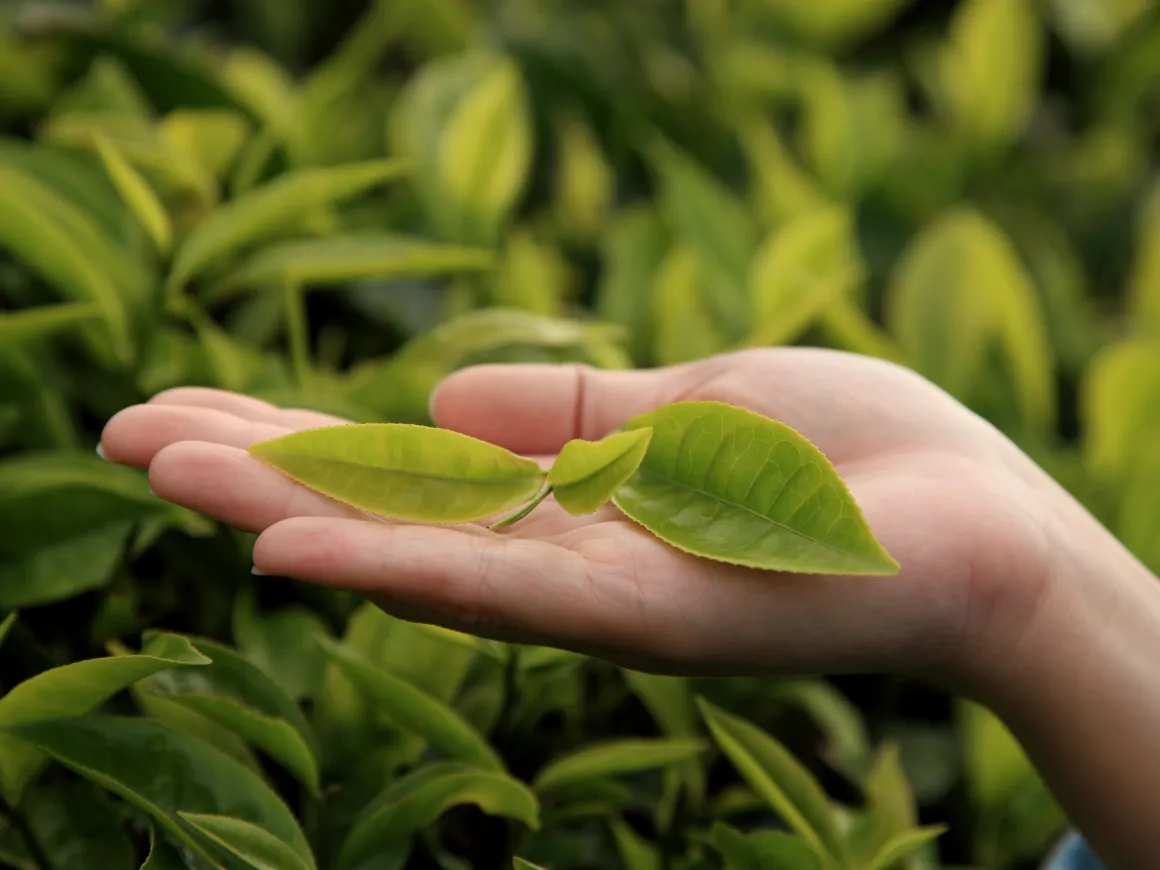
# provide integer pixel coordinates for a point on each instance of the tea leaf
(74, 690)
(162, 772)
(44, 321)
(846, 743)
(521, 864)
(633, 249)
(767, 850)
(341, 259)
(779, 778)
(615, 758)
(63, 570)
(161, 856)
(485, 152)
(414, 710)
(253, 844)
(236, 695)
(6, 625)
(137, 194)
(800, 271)
(636, 853)
(283, 644)
(1120, 403)
(991, 68)
(903, 845)
(727, 484)
(415, 801)
(710, 218)
(77, 826)
(211, 138)
(684, 327)
(50, 236)
(272, 210)
(585, 474)
(404, 471)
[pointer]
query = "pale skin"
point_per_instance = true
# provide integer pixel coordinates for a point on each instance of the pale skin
(1010, 592)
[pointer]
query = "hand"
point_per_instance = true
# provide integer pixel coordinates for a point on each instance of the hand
(969, 517)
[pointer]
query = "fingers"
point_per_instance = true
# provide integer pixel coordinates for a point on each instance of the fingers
(230, 485)
(538, 408)
(245, 407)
(134, 436)
(507, 588)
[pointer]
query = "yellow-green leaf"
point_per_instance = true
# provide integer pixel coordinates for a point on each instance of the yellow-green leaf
(1120, 404)
(1144, 281)
(615, 758)
(683, 323)
(405, 471)
(801, 270)
(272, 210)
(905, 844)
(415, 801)
(211, 138)
(959, 290)
(725, 483)
(485, 152)
(991, 68)
(252, 843)
(780, 778)
(336, 260)
(765, 850)
(52, 237)
(137, 195)
(587, 473)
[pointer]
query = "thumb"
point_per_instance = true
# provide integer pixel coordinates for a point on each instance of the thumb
(537, 408)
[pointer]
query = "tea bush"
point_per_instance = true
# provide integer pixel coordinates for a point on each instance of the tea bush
(334, 205)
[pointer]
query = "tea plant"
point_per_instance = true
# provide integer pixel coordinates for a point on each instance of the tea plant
(333, 206)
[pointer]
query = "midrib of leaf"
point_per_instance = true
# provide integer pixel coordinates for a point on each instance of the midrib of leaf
(423, 475)
(701, 491)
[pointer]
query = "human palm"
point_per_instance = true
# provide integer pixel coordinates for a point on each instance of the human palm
(964, 512)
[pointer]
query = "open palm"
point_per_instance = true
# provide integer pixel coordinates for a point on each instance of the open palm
(954, 502)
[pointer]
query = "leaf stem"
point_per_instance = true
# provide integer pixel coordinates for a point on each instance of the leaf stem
(19, 824)
(296, 330)
(525, 510)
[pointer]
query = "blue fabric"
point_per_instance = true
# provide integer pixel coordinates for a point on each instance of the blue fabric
(1073, 854)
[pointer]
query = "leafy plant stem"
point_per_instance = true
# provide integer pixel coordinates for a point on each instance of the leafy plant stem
(20, 825)
(525, 510)
(296, 332)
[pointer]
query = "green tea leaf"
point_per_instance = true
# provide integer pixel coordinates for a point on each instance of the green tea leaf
(415, 711)
(6, 625)
(485, 152)
(711, 219)
(615, 758)
(960, 289)
(272, 210)
(683, 324)
(1143, 289)
(636, 853)
(162, 772)
(521, 864)
(1120, 404)
(65, 569)
(235, 694)
(991, 67)
(137, 195)
(253, 844)
(161, 856)
(74, 690)
(44, 321)
(783, 190)
(905, 844)
(585, 474)
(404, 471)
(724, 483)
(77, 826)
(633, 248)
(800, 271)
(341, 259)
(211, 138)
(766, 850)
(49, 235)
(845, 741)
(283, 644)
(779, 778)
(415, 801)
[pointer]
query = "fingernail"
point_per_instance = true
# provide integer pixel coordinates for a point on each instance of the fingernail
(257, 572)
(101, 452)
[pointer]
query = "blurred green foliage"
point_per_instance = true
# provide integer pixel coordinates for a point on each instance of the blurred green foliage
(333, 205)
